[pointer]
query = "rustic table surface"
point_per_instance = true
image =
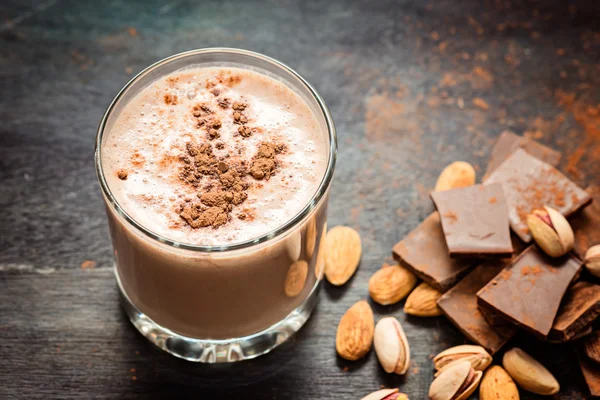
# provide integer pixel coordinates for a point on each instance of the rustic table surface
(412, 86)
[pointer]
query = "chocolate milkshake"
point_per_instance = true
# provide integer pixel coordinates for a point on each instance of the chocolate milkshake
(216, 185)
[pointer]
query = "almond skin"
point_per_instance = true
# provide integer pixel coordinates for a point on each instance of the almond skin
(342, 254)
(497, 385)
(422, 302)
(391, 284)
(355, 332)
(459, 174)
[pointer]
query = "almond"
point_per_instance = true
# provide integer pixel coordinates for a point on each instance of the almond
(391, 284)
(497, 385)
(456, 175)
(355, 332)
(342, 254)
(422, 302)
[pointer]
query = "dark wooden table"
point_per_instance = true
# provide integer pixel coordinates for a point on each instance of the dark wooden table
(412, 86)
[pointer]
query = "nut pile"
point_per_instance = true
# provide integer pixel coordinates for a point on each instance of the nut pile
(560, 251)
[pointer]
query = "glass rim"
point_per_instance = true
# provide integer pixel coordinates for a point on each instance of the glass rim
(280, 230)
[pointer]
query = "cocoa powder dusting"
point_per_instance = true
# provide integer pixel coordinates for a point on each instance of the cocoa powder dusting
(122, 174)
(264, 163)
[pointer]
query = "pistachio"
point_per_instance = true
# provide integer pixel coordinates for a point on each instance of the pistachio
(476, 355)
(456, 175)
(386, 394)
(592, 260)
(455, 383)
(391, 346)
(496, 384)
(391, 284)
(529, 373)
(342, 254)
(551, 231)
(355, 332)
(422, 302)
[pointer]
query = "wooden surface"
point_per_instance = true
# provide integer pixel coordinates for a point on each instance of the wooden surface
(412, 86)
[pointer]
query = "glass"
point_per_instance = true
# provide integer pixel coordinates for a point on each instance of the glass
(229, 302)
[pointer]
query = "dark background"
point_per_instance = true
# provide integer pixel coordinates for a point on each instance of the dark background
(412, 86)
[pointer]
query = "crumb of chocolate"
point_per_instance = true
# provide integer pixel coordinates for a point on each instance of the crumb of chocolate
(122, 174)
(223, 103)
(264, 163)
(201, 110)
(215, 92)
(88, 264)
(239, 106)
(220, 145)
(245, 131)
(170, 99)
(239, 118)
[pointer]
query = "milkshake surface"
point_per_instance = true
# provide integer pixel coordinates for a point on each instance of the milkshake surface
(214, 155)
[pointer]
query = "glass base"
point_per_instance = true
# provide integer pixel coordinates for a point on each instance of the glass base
(219, 351)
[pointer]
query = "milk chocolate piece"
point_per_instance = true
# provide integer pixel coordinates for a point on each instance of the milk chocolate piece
(591, 346)
(530, 184)
(528, 293)
(459, 304)
(425, 253)
(475, 220)
(508, 142)
(591, 373)
(586, 224)
(579, 308)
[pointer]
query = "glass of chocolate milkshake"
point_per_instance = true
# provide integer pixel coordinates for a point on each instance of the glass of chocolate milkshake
(215, 166)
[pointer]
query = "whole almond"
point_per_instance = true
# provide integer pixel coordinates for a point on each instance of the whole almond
(391, 284)
(386, 394)
(497, 385)
(529, 373)
(320, 262)
(391, 346)
(456, 175)
(422, 302)
(342, 254)
(296, 278)
(355, 332)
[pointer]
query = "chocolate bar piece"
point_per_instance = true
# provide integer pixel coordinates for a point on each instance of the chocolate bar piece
(591, 345)
(586, 224)
(528, 293)
(475, 220)
(459, 304)
(579, 308)
(530, 184)
(425, 253)
(591, 374)
(508, 142)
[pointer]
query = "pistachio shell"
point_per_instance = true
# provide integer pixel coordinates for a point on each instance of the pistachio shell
(386, 394)
(529, 373)
(391, 346)
(476, 355)
(450, 385)
(551, 231)
(592, 260)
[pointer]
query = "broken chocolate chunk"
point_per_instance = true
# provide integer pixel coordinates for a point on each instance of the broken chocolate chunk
(579, 308)
(529, 292)
(475, 220)
(530, 184)
(425, 253)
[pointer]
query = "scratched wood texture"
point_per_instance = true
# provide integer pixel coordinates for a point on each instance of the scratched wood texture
(412, 85)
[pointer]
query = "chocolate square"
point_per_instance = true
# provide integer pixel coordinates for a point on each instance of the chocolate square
(425, 253)
(508, 142)
(475, 220)
(591, 373)
(529, 292)
(586, 224)
(459, 304)
(530, 184)
(579, 308)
